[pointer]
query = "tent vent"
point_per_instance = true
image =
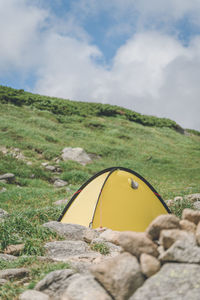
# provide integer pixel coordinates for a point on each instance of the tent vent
(133, 184)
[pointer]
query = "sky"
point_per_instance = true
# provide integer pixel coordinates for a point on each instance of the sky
(140, 54)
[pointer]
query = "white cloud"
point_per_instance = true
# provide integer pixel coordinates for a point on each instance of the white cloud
(152, 73)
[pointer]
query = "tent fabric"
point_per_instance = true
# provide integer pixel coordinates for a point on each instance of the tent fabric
(117, 198)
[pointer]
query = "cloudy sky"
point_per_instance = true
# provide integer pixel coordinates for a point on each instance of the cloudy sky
(140, 54)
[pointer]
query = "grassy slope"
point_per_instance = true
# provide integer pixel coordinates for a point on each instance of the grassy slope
(169, 160)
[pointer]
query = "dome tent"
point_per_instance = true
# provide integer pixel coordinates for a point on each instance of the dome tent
(117, 198)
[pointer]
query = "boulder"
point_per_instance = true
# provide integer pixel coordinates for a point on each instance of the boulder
(62, 250)
(69, 231)
(85, 287)
(137, 243)
(61, 202)
(9, 177)
(33, 295)
(120, 275)
(3, 213)
(191, 215)
(110, 236)
(162, 222)
(55, 283)
(193, 197)
(187, 226)
(178, 199)
(196, 205)
(7, 257)
(149, 264)
(14, 273)
(14, 249)
(168, 237)
(173, 281)
(76, 154)
(90, 234)
(183, 252)
(198, 234)
(60, 183)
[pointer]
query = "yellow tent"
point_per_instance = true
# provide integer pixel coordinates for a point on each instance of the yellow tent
(116, 198)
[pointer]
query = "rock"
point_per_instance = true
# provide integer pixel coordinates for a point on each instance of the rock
(76, 154)
(62, 250)
(55, 283)
(67, 230)
(3, 213)
(110, 236)
(137, 243)
(85, 288)
(187, 226)
(60, 183)
(120, 275)
(9, 177)
(14, 273)
(61, 202)
(44, 164)
(7, 257)
(178, 199)
(149, 264)
(196, 205)
(81, 263)
(3, 190)
(198, 234)
(3, 281)
(172, 282)
(168, 237)
(183, 252)
(113, 249)
(162, 222)
(169, 202)
(50, 168)
(193, 197)
(14, 249)
(90, 234)
(191, 215)
(33, 295)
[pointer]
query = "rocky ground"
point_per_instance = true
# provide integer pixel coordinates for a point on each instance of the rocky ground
(161, 263)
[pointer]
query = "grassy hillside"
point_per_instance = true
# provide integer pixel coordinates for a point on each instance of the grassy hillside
(42, 126)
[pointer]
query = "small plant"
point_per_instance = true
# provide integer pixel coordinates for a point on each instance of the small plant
(178, 207)
(100, 247)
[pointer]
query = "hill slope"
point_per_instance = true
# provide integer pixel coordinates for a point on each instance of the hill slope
(170, 161)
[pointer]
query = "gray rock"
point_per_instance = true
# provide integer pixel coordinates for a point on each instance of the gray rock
(198, 234)
(56, 282)
(76, 154)
(61, 201)
(3, 281)
(160, 223)
(66, 230)
(137, 243)
(60, 183)
(90, 234)
(120, 275)
(191, 215)
(9, 177)
(85, 288)
(178, 199)
(193, 197)
(110, 236)
(168, 237)
(187, 226)
(196, 205)
(33, 295)
(14, 273)
(149, 264)
(3, 213)
(172, 282)
(183, 252)
(62, 250)
(50, 168)
(7, 257)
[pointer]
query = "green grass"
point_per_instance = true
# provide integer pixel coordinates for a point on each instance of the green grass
(101, 248)
(41, 127)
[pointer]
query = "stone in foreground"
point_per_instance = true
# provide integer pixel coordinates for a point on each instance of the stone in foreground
(14, 273)
(160, 223)
(68, 231)
(191, 215)
(33, 295)
(173, 282)
(85, 288)
(120, 275)
(149, 264)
